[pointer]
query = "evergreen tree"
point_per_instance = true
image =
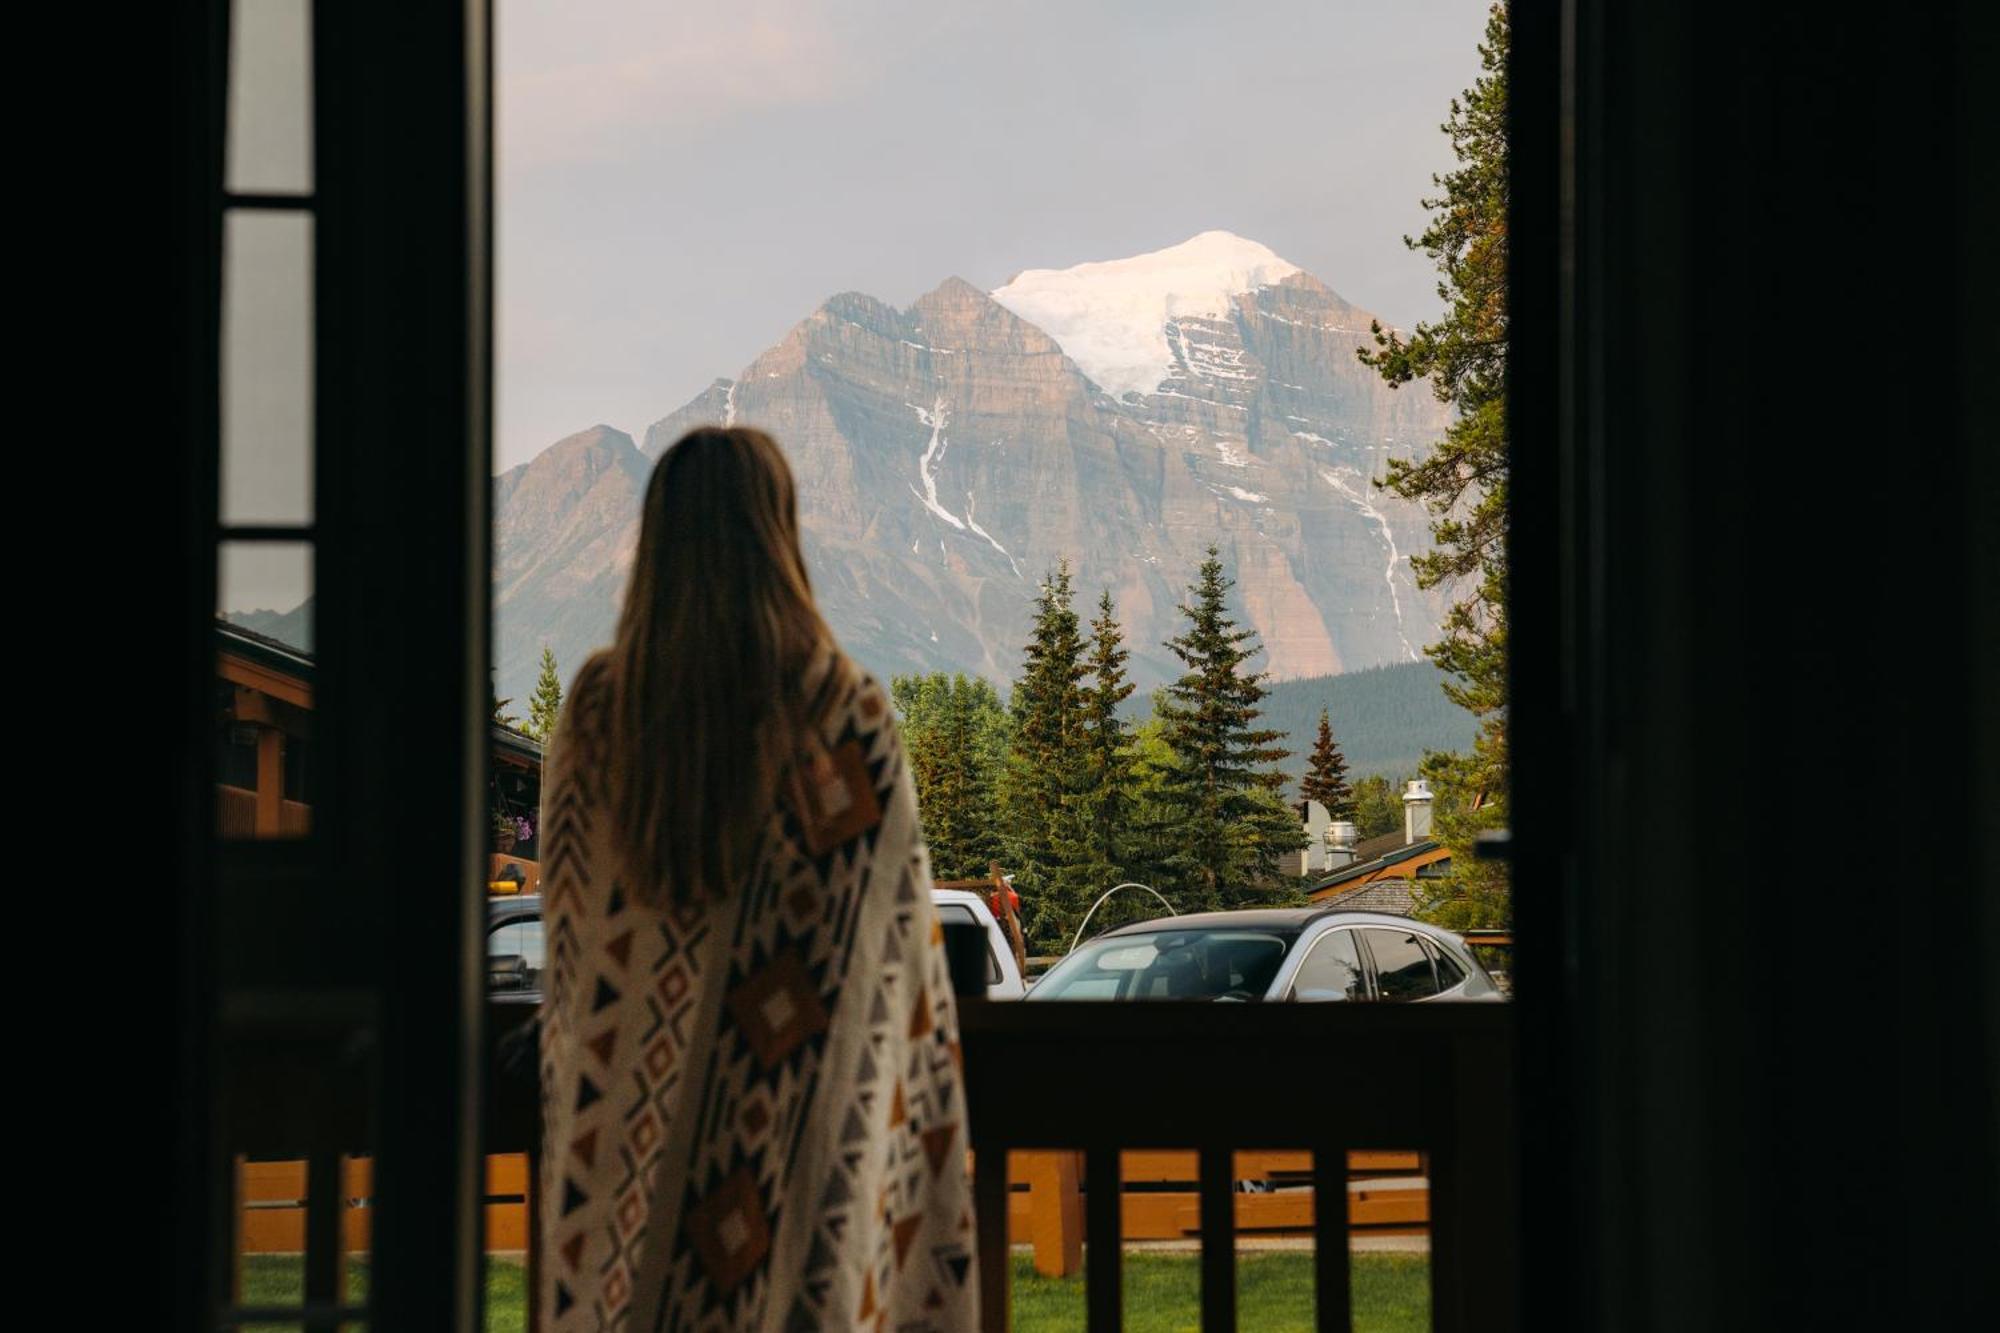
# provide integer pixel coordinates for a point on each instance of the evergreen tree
(1044, 760)
(1094, 843)
(954, 729)
(1231, 822)
(546, 702)
(1463, 481)
(497, 707)
(1378, 806)
(1326, 774)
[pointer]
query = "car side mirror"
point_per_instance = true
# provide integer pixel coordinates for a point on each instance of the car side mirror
(506, 971)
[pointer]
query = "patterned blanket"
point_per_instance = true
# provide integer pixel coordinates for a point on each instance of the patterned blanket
(752, 1114)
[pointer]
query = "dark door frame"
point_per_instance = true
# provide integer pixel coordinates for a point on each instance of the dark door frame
(1642, 137)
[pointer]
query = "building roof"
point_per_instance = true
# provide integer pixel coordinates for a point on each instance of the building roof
(262, 648)
(297, 663)
(1393, 895)
(1375, 854)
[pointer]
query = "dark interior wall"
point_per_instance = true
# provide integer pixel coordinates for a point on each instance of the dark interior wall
(1756, 707)
(1756, 671)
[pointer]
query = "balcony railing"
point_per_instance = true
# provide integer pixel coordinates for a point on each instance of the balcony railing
(1306, 1088)
(1105, 1078)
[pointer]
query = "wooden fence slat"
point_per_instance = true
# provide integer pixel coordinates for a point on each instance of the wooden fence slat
(325, 1273)
(989, 1197)
(1333, 1269)
(1104, 1276)
(1055, 1211)
(1218, 1241)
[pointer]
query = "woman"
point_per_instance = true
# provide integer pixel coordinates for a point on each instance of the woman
(749, 1045)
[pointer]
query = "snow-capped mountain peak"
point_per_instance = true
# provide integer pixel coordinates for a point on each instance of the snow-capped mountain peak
(1109, 316)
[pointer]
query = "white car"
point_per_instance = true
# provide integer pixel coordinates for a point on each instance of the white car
(1003, 975)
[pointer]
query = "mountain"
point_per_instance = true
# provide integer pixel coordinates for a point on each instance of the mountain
(293, 627)
(1122, 415)
(1383, 718)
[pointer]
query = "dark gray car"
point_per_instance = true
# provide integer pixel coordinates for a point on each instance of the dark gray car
(1303, 954)
(514, 948)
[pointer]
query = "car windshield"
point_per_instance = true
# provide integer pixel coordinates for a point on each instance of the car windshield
(1169, 965)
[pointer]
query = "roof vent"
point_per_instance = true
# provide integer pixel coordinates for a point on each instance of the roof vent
(1416, 811)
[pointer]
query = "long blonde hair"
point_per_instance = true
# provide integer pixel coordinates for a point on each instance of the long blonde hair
(717, 632)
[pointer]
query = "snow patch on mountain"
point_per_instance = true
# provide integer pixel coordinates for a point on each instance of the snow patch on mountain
(1368, 510)
(936, 418)
(1111, 317)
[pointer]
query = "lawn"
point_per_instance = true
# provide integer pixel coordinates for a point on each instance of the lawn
(1162, 1292)
(278, 1279)
(1274, 1293)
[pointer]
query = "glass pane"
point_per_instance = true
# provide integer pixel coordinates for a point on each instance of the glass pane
(1045, 1228)
(270, 1232)
(270, 97)
(267, 367)
(1159, 1225)
(1402, 968)
(1274, 1241)
(264, 685)
(1389, 1240)
(266, 587)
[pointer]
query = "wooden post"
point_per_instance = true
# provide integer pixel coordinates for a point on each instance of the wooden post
(1055, 1212)
(1010, 921)
(534, 1274)
(270, 781)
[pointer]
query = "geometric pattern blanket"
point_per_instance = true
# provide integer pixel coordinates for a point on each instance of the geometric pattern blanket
(752, 1109)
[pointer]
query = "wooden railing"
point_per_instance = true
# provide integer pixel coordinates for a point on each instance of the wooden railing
(1387, 1195)
(1104, 1095)
(1101, 1079)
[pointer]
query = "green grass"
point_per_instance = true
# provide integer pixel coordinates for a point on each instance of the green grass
(1274, 1293)
(279, 1279)
(1162, 1292)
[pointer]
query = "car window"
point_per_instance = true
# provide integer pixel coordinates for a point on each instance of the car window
(1402, 966)
(959, 912)
(1332, 971)
(1169, 965)
(520, 938)
(1449, 973)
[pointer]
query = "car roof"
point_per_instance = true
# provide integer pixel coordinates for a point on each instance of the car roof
(1256, 918)
(1272, 918)
(955, 896)
(513, 904)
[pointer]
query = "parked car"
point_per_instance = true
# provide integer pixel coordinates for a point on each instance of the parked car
(1301, 954)
(1003, 974)
(514, 950)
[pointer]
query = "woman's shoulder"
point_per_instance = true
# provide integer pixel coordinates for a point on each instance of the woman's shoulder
(842, 694)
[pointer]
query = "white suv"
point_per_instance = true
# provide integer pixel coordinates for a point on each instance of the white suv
(1003, 975)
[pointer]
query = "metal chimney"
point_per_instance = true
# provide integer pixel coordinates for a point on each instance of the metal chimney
(1416, 811)
(1341, 835)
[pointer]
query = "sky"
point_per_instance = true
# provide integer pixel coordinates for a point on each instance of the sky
(680, 183)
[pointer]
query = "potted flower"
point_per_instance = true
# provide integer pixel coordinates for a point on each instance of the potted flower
(506, 831)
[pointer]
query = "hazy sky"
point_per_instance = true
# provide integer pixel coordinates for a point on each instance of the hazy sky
(681, 181)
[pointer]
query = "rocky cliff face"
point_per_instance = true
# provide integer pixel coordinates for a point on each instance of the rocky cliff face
(947, 455)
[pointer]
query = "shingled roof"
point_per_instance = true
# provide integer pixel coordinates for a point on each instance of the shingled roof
(1395, 895)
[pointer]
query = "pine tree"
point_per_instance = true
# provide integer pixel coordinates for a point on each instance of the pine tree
(1231, 822)
(1463, 481)
(1326, 774)
(1378, 806)
(546, 703)
(954, 730)
(1095, 842)
(497, 707)
(1044, 759)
